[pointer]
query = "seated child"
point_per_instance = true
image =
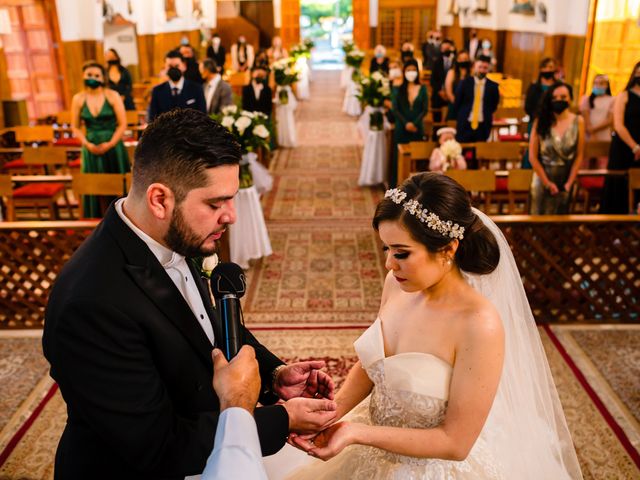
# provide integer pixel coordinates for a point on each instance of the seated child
(449, 154)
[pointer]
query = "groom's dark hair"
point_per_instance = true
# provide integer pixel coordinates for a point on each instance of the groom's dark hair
(177, 148)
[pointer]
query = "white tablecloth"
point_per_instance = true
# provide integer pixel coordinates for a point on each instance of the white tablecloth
(345, 77)
(248, 237)
(262, 179)
(285, 116)
(364, 120)
(373, 170)
(351, 105)
(302, 87)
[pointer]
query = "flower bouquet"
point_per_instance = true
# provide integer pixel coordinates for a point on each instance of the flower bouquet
(374, 90)
(347, 46)
(354, 60)
(285, 75)
(309, 44)
(300, 50)
(451, 151)
(250, 130)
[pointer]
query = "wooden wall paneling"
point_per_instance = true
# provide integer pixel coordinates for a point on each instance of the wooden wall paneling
(145, 56)
(290, 30)
(260, 13)
(5, 91)
(230, 28)
(76, 53)
(361, 30)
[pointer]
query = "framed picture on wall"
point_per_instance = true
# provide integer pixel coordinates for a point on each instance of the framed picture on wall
(170, 9)
(524, 7)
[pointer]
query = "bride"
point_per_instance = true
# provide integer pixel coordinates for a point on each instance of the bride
(452, 380)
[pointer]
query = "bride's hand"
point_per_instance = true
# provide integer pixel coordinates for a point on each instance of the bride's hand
(333, 440)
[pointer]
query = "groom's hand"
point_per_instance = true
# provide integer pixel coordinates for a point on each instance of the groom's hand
(303, 379)
(309, 415)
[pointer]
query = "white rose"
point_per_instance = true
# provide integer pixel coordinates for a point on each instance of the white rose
(261, 131)
(227, 122)
(451, 149)
(377, 76)
(230, 109)
(365, 81)
(209, 263)
(242, 123)
(247, 114)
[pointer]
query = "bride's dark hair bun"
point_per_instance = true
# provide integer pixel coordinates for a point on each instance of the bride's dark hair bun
(478, 251)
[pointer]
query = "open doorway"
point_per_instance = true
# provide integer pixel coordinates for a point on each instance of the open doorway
(328, 23)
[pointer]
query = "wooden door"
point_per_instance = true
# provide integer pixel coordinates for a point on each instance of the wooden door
(290, 29)
(361, 28)
(32, 67)
(405, 21)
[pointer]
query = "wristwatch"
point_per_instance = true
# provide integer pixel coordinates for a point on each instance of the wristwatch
(636, 148)
(274, 375)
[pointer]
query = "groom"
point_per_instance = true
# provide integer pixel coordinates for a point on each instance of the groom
(130, 326)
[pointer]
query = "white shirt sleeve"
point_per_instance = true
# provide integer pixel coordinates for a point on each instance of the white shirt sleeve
(236, 452)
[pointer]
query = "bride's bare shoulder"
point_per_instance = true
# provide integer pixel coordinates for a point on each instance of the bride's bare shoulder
(480, 317)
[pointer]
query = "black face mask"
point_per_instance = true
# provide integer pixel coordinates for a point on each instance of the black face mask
(466, 64)
(174, 74)
(113, 62)
(636, 81)
(407, 54)
(481, 75)
(547, 75)
(448, 53)
(559, 106)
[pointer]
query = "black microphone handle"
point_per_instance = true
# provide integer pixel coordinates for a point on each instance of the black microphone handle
(231, 331)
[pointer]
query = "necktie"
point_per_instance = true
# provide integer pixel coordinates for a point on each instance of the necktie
(174, 91)
(477, 102)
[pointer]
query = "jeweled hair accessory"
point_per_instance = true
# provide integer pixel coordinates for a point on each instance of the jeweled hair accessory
(446, 228)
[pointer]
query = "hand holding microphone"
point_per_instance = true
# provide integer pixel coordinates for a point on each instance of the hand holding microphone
(229, 284)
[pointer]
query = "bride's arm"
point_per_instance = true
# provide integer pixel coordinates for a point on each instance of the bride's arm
(475, 380)
(355, 389)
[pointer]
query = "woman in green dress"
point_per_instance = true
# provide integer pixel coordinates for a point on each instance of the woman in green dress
(409, 104)
(102, 112)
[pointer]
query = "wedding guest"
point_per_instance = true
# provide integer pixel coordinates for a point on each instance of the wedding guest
(217, 52)
(192, 72)
(410, 104)
(119, 78)
(102, 112)
(625, 145)
(257, 96)
(276, 51)
(439, 161)
(407, 52)
(380, 61)
(476, 100)
(262, 59)
(473, 44)
(486, 50)
(556, 147)
(460, 71)
(431, 49)
(217, 92)
(548, 76)
(395, 73)
(176, 92)
(597, 111)
(242, 55)
(441, 66)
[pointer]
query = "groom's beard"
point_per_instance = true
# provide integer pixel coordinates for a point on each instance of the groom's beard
(183, 240)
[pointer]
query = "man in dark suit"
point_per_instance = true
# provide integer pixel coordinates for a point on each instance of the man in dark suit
(431, 49)
(217, 52)
(217, 92)
(477, 99)
(130, 325)
(192, 71)
(441, 66)
(257, 96)
(176, 92)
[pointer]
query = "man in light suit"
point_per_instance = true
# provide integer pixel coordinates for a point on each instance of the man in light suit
(130, 326)
(217, 92)
(177, 91)
(477, 99)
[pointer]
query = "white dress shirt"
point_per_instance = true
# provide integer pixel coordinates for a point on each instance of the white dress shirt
(176, 267)
(210, 88)
(482, 83)
(236, 452)
(179, 85)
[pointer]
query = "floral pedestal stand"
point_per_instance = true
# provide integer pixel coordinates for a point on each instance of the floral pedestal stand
(302, 87)
(285, 117)
(351, 104)
(373, 170)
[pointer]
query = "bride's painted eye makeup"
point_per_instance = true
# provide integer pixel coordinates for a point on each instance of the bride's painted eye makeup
(399, 256)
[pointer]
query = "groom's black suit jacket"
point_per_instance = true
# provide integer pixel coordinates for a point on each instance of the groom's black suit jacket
(134, 366)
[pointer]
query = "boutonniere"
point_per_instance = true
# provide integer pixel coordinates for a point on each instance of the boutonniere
(206, 265)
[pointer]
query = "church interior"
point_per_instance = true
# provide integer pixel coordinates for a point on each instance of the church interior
(327, 77)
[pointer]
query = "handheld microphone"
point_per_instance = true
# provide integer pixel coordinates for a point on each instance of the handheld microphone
(228, 285)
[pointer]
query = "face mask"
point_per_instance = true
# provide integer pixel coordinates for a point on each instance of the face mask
(112, 62)
(545, 87)
(481, 75)
(559, 106)
(407, 54)
(174, 74)
(486, 45)
(447, 53)
(92, 83)
(411, 76)
(636, 80)
(215, 42)
(395, 73)
(597, 91)
(547, 75)
(379, 55)
(241, 41)
(466, 64)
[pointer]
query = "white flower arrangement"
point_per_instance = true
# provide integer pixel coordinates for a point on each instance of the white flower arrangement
(230, 110)
(242, 123)
(451, 149)
(261, 131)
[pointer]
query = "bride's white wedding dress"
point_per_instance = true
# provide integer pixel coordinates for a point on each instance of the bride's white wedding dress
(525, 436)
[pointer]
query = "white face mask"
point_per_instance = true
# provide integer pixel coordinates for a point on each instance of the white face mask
(411, 75)
(395, 73)
(215, 42)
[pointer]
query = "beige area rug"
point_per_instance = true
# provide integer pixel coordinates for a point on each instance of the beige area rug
(339, 160)
(320, 273)
(322, 197)
(600, 452)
